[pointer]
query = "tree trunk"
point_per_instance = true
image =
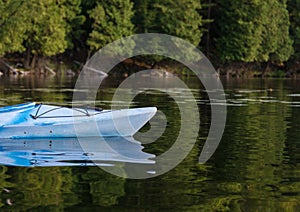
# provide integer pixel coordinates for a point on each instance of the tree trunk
(33, 61)
(208, 29)
(266, 69)
(27, 60)
(40, 64)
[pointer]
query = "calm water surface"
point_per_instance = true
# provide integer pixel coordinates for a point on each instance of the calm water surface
(255, 168)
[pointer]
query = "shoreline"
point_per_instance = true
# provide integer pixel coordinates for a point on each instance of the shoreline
(53, 67)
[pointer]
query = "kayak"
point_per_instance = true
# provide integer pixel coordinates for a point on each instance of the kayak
(32, 120)
(87, 151)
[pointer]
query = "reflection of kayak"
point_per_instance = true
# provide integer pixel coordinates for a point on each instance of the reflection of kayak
(86, 151)
(31, 120)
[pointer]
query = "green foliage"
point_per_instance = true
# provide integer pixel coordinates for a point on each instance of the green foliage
(13, 26)
(112, 21)
(46, 35)
(144, 16)
(247, 31)
(74, 21)
(253, 31)
(276, 43)
(183, 20)
(294, 10)
(178, 18)
(43, 28)
(277, 74)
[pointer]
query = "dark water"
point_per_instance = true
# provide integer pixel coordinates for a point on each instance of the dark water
(255, 168)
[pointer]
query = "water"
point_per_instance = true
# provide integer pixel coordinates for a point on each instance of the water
(255, 168)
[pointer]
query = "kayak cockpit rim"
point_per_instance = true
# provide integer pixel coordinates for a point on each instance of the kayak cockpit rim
(84, 111)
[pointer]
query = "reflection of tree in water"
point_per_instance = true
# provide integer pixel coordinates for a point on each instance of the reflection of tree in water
(290, 186)
(245, 174)
(105, 189)
(178, 189)
(4, 187)
(41, 188)
(249, 161)
(58, 188)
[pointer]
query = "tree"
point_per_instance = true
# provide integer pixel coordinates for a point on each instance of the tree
(142, 18)
(39, 27)
(253, 31)
(276, 43)
(46, 36)
(112, 21)
(294, 10)
(177, 18)
(74, 21)
(13, 26)
(180, 19)
(207, 13)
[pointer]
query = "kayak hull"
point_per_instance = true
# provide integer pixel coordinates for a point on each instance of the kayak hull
(58, 122)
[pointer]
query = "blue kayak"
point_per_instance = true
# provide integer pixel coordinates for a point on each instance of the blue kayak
(32, 120)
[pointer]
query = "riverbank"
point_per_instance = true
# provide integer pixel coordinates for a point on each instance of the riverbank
(52, 67)
(72, 67)
(228, 70)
